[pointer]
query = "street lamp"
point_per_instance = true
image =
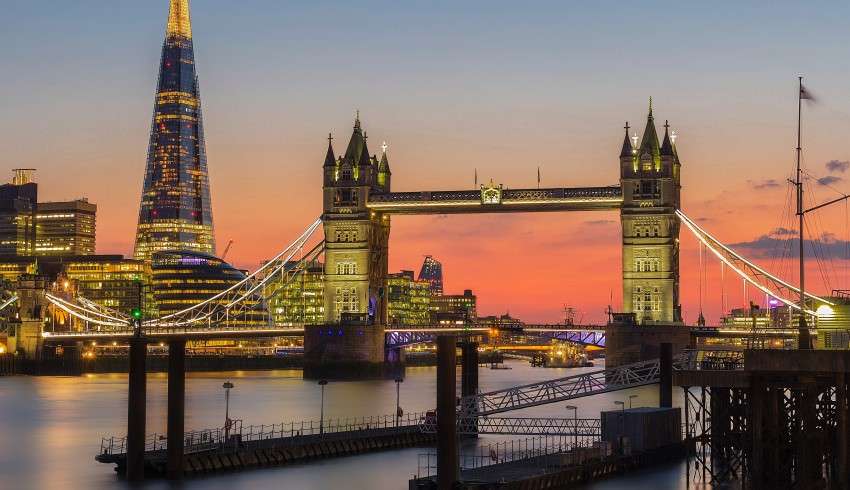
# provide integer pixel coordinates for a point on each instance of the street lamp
(322, 383)
(631, 397)
(398, 382)
(575, 423)
(227, 387)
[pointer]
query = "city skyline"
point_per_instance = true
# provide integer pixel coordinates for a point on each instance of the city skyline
(730, 146)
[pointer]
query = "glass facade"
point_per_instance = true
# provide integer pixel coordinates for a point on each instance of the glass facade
(302, 301)
(17, 214)
(182, 279)
(175, 211)
(65, 228)
(108, 280)
(408, 300)
(432, 271)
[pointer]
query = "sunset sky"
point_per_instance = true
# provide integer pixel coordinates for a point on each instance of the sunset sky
(501, 87)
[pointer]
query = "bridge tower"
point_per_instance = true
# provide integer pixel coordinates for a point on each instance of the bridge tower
(650, 178)
(356, 247)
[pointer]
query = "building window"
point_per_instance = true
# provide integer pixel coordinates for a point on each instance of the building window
(346, 300)
(646, 299)
(346, 268)
(648, 265)
(345, 236)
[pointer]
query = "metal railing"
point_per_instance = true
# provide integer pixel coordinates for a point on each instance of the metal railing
(531, 451)
(712, 360)
(520, 426)
(239, 435)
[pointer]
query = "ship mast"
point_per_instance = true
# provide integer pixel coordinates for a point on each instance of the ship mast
(803, 339)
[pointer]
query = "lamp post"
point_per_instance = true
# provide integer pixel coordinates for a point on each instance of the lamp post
(631, 397)
(575, 423)
(398, 382)
(227, 387)
(322, 383)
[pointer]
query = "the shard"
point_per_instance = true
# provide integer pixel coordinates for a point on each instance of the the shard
(175, 211)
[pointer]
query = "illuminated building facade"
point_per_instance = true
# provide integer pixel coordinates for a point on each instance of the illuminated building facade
(109, 280)
(181, 279)
(453, 308)
(65, 228)
(12, 267)
(649, 175)
(18, 201)
(432, 271)
(408, 300)
(302, 300)
(175, 211)
(356, 239)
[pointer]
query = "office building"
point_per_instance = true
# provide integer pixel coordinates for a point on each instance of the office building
(454, 308)
(432, 271)
(299, 300)
(408, 300)
(175, 211)
(65, 228)
(182, 279)
(18, 202)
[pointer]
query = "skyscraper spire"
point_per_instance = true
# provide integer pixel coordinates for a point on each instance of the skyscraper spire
(179, 22)
(175, 211)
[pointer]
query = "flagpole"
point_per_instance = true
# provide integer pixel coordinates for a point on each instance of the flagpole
(803, 339)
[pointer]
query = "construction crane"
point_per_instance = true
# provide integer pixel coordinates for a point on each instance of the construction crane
(226, 249)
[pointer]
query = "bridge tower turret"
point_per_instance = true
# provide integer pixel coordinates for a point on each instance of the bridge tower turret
(650, 178)
(356, 240)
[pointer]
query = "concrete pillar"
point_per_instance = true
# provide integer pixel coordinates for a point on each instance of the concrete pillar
(665, 374)
(136, 410)
(176, 406)
(447, 462)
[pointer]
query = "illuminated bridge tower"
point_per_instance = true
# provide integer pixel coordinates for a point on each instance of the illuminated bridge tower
(175, 211)
(649, 176)
(356, 247)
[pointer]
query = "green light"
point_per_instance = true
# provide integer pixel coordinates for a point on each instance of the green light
(137, 313)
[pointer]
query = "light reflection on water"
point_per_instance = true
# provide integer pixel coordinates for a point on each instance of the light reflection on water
(50, 427)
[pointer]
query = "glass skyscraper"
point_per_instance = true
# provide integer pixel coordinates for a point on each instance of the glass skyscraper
(175, 212)
(432, 271)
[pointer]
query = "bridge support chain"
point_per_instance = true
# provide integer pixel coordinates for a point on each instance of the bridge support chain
(136, 410)
(176, 407)
(665, 374)
(447, 452)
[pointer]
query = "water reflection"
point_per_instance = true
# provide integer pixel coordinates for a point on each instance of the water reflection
(50, 427)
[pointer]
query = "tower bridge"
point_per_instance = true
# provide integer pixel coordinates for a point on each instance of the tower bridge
(358, 204)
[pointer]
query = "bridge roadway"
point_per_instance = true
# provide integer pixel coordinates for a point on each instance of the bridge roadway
(396, 336)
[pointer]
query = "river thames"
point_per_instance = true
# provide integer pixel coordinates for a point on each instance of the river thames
(51, 427)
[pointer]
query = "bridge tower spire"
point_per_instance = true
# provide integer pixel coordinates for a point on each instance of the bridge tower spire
(649, 176)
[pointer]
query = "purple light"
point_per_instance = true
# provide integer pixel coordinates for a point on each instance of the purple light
(774, 302)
